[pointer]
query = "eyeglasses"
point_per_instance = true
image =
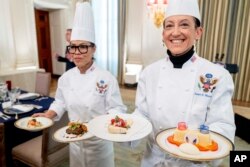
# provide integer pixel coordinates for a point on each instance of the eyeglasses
(82, 48)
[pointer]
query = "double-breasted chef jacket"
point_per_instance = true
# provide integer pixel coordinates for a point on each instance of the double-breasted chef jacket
(85, 96)
(199, 92)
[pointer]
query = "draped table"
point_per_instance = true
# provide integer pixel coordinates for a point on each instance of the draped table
(11, 136)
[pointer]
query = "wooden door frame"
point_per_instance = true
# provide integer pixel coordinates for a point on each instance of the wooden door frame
(43, 40)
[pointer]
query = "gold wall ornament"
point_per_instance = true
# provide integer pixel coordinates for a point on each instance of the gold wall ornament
(156, 11)
(159, 18)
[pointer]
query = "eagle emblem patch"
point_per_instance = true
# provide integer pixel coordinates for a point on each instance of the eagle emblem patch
(207, 83)
(101, 87)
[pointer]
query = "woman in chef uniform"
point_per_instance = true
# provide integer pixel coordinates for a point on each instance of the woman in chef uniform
(183, 86)
(85, 92)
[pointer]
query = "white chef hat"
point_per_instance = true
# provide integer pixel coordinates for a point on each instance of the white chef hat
(83, 27)
(183, 7)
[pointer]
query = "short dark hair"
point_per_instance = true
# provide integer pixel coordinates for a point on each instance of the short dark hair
(197, 22)
(92, 44)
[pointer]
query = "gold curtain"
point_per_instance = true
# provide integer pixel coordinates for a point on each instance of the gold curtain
(121, 40)
(226, 26)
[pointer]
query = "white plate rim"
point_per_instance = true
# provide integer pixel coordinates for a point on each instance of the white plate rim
(204, 156)
(136, 135)
(58, 132)
(20, 112)
(26, 119)
(31, 97)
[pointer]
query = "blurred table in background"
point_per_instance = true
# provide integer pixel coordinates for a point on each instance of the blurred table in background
(10, 136)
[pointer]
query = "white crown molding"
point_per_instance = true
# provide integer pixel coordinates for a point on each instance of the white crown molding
(51, 4)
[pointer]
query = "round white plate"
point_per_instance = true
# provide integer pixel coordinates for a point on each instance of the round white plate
(224, 147)
(19, 109)
(28, 96)
(140, 128)
(59, 135)
(23, 123)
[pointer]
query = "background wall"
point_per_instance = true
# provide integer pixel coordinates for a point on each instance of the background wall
(18, 46)
(60, 20)
(144, 40)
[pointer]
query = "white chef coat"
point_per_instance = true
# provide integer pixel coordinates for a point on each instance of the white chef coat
(85, 96)
(168, 95)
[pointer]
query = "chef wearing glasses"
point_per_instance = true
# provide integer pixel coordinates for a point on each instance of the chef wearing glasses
(85, 92)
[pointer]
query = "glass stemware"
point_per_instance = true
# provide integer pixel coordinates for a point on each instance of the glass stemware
(3, 91)
(17, 91)
(12, 96)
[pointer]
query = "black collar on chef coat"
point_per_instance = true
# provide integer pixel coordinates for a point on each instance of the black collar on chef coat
(178, 61)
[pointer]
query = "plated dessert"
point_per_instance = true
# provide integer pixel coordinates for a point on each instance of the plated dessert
(199, 144)
(119, 125)
(192, 141)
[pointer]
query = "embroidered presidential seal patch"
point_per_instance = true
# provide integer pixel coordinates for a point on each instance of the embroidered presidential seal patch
(101, 87)
(207, 83)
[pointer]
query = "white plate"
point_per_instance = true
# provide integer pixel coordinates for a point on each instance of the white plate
(59, 135)
(19, 109)
(28, 96)
(23, 123)
(140, 128)
(224, 147)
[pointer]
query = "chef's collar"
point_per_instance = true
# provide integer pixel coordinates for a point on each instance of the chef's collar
(178, 61)
(90, 69)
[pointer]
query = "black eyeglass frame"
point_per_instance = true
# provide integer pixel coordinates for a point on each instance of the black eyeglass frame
(85, 47)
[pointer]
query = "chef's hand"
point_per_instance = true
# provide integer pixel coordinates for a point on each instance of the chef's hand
(48, 114)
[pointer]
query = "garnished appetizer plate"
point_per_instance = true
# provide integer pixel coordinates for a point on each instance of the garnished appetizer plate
(223, 150)
(120, 127)
(33, 123)
(62, 136)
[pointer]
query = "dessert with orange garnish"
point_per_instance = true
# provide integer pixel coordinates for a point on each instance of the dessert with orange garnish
(201, 139)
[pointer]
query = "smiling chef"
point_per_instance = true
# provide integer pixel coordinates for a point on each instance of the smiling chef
(183, 87)
(86, 91)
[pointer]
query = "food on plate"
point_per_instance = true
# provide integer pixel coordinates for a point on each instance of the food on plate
(75, 129)
(119, 126)
(199, 138)
(33, 123)
(189, 149)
